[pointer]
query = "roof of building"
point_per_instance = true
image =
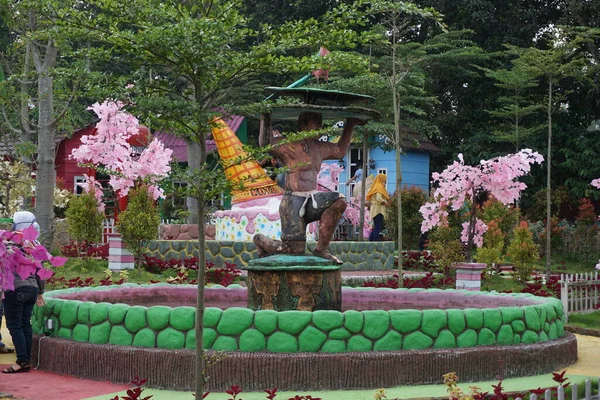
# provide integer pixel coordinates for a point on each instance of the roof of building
(179, 146)
(414, 141)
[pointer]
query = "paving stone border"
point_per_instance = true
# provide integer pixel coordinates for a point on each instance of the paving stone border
(372, 256)
(523, 318)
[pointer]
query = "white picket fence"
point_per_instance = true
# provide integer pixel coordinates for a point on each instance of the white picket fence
(108, 227)
(560, 395)
(579, 292)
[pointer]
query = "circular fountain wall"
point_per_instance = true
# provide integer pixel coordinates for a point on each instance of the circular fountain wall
(376, 341)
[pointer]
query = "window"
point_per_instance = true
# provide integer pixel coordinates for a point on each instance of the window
(79, 182)
(383, 171)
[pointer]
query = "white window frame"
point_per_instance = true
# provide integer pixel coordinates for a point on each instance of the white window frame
(78, 182)
(385, 172)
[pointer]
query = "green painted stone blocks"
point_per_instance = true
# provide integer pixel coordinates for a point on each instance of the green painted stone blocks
(311, 339)
(117, 312)
(327, 320)
(405, 321)
(252, 340)
(280, 342)
(492, 319)
(377, 323)
(354, 321)
(158, 317)
(445, 340)
(474, 318)
(433, 322)
(235, 320)
(417, 341)
(170, 339)
(99, 333)
(293, 321)
(119, 335)
(212, 316)
(241, 329)
(145, 338)
(456, 321)
(265, 321)
(359, 343)
(183, 318)
(98, 313)
(135, 320)
(68, 314)
(391, 341)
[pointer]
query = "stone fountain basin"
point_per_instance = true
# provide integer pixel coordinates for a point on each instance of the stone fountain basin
(372, 319)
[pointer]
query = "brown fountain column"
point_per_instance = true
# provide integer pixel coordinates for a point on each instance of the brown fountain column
(286, 282)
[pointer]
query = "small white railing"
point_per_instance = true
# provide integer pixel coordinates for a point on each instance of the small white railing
(560, 393)
(579, 292)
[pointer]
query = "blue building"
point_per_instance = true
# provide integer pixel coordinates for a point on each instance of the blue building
(414, 163)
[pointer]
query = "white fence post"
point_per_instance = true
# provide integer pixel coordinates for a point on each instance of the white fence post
(579, 292)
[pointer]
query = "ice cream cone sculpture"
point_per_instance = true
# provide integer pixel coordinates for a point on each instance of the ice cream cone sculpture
(239, 170)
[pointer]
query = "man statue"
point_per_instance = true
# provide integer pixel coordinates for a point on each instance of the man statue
(302, 203)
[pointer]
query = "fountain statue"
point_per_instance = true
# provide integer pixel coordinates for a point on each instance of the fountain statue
(284, 277)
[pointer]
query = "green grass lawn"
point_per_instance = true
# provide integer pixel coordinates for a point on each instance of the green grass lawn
(585, 320)
(500, 284)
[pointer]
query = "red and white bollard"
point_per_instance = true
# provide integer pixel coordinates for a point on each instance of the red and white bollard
(468, 275)
(118, 256)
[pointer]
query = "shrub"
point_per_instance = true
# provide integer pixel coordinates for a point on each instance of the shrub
(523, 252)
(139, 222)
(493, 246)
(84, 221)
(445, 246)
(412, 199)
(506, 218)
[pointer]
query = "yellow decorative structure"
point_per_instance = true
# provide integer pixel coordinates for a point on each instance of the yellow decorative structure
(238, 170)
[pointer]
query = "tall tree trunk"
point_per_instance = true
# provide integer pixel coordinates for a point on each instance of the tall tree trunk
(361, 225)
(395, 96)
(45, 174)
(193, 153)
(200, 218)
(549, 184)
(472, 221)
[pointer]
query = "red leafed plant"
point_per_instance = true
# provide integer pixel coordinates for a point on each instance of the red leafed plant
(307, 397)
(234, 391)
(271, 394)
(136, 392)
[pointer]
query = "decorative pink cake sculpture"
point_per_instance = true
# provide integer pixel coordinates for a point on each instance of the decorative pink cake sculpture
(255, 207)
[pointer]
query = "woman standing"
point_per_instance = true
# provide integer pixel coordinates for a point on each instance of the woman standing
(378, 197)
(19, 302)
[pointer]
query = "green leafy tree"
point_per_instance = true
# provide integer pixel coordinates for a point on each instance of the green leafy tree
(412, 199)
(558, 61)
(186, 59)
(38, 97)
(523, 252)
(516, 105)
(139, 223)
(84, 220)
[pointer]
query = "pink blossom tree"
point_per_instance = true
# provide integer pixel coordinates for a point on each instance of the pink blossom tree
(460, 184)
(21, 254)
(110, 149)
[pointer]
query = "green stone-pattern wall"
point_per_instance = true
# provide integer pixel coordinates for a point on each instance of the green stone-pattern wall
(301, 331)
(372, 256)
